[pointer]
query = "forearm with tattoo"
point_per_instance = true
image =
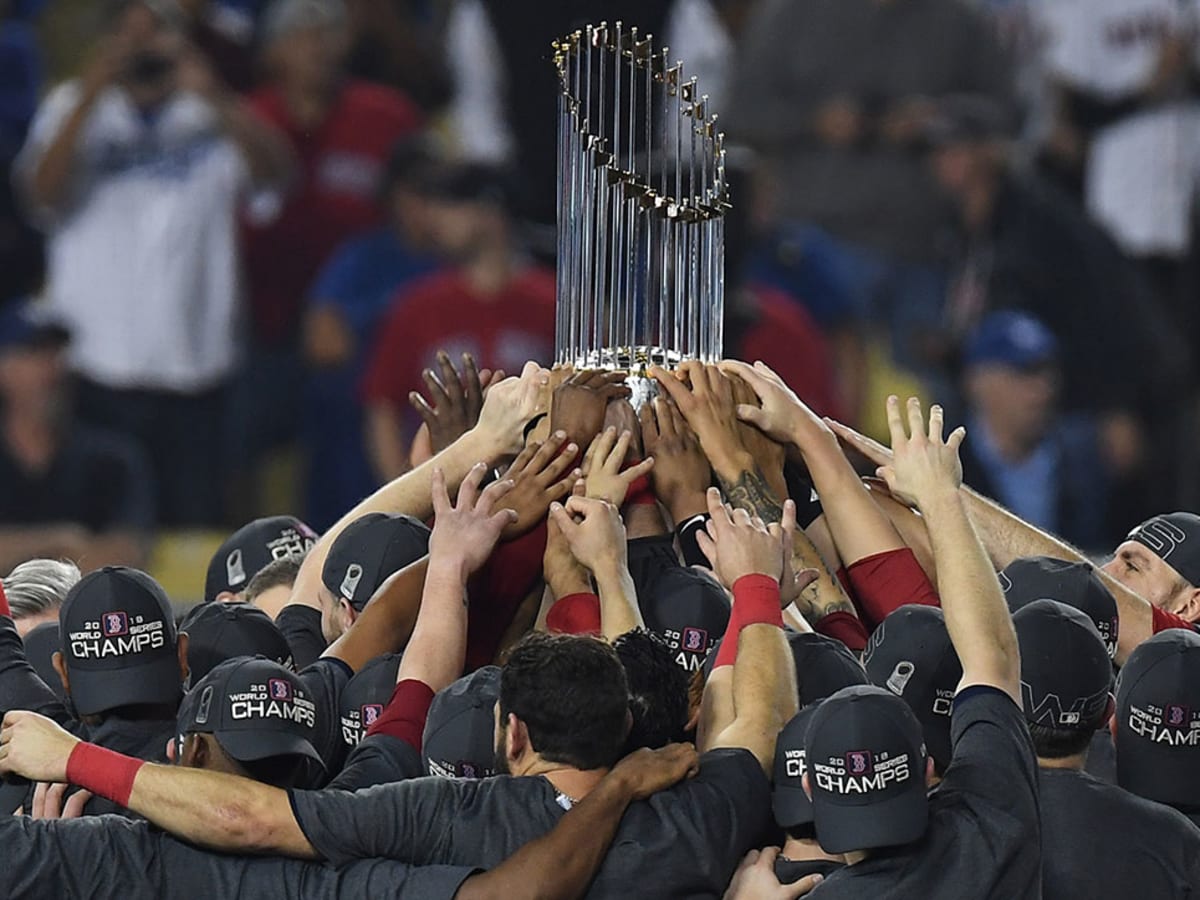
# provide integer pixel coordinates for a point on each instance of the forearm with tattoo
(750, 491)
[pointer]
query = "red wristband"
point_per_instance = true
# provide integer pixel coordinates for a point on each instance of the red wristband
(404, 716)
(755, 602)
(846, 627)
(4, 608)
(105, 773)
(575, 614)
(640, 492)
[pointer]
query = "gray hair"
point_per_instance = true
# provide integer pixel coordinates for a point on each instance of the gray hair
(39, 586)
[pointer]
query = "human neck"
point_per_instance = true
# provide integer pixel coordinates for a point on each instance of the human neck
(32, 438)
(1072, 763)
(803, 849)
(575, 783)
(491, 269)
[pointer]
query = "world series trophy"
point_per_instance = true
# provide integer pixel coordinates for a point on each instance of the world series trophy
(641, 206)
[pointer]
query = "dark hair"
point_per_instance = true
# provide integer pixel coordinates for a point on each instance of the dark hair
(1059, 743)
(571, 694)
(278, 572)
(658, 690)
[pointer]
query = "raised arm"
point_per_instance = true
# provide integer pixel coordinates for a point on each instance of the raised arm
(211, 809)
(561, 864)
(926, 472)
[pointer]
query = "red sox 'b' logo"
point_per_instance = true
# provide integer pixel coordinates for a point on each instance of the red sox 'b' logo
(1177, 716)
(859, 762)
(115, 624)
(370, 713)
(279, 689)
(695, 640)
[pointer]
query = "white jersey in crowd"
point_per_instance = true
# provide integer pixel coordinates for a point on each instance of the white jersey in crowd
(142, 257)
(1142, 174)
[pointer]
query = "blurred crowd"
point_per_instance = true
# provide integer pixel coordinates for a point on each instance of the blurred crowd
(235, 234)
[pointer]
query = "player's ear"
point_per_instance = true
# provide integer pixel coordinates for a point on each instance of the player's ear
(226, 597)
(806, 784)
(60, 666)
(1191, 606)
(930, 773)
(516, 739)
(1110, 714)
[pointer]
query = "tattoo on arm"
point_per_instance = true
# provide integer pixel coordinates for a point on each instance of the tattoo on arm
(752, 493)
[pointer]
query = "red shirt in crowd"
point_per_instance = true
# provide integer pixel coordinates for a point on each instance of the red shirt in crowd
(443, 312)
(341, 162)
(787, 339)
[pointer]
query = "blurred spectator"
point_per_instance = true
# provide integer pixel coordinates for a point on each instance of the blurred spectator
(347, 304)
(704, 34)
(834, 93)
(36, 589)
(137, 170)
(1125, 73)
(493, 304)
(342, 131)
(506, 91)
(1024, 246)
(392, 45)
(65, 490)
(224, 36)
(1045, 467)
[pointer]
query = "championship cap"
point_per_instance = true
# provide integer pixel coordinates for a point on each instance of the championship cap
(910, 655)
(1158, 720)
(220, 631)
(249, 549)
(369, 551)
(824, 665)
(365, 695)
(255, 708)
(1066, 674)
(789, 802)
(684, 607)
(866, 769)
(460, 731)
(1076, 584)
(118, 637)
(41, 644)
(1011, 338)
(1175, 539)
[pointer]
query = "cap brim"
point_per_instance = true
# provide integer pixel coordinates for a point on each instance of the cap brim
(887, 823)
(246, 746)
(95, 692)
(791, 807)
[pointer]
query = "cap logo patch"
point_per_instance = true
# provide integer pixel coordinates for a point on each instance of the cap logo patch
(859, 762)
(370, 714)
(1171, 724)
(290, 544)
(1177, 716)
(354, 574)
(274, 700)
(901, 675)
(235, 570)
(1051, 709)
(1160, 536)
(862, 772)
(204, 707)
(115, 624)
(279, 689)
(695, 640)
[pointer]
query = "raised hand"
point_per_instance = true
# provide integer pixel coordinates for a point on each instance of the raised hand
(755, 879)
(563, 572)
(466, 532)
(791, 582)
(34, 747)
(510, 405)
(541, 474)
(710, 411)
(925, 467)
(646, 772)
(593, 530)
(874, 451)
(603, 478)
(738, 544)
(681, 471)
(779, 414)
(578, 404)
(457, 398)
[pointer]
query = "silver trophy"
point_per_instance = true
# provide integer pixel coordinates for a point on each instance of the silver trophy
(641, 205)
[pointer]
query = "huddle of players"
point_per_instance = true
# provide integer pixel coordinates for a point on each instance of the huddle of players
(967, 754)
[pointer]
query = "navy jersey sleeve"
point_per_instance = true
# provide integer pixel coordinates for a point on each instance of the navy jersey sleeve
(403, 822)
(20, 685)
(301, 627)
(378, 759)
(325, 680)
(993, 757)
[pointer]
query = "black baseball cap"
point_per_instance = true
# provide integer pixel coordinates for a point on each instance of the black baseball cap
(369, 551)
(911, 655)
(683, 606)
(118, 641)
(1158, 720)
(41, 643)
(1066, 674)
(249, 549)
(220, 631)
(255, 708)
(460, 732)
(789, 802)
(824, 665)
(365, 695)
(1175, 539)
(1077, 584)
(866, 768)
